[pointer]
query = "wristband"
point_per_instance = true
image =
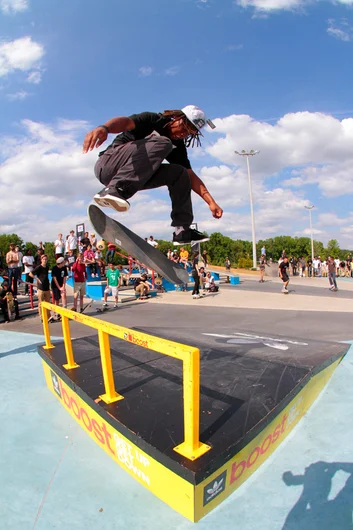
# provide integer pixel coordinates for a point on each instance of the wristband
(104, 127)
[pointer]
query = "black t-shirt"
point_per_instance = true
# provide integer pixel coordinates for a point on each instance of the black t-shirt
(59, 274)
(85, 241)
(145, 124)
(283, 267)
(42, 277)
(195, 263)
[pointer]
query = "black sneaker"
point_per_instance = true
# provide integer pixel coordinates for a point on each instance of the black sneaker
(189, 235)
(112, 198)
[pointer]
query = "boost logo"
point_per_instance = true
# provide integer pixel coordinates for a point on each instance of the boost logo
(214, 488)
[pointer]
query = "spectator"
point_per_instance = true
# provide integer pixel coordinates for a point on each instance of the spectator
(331, 267)
(93, 241)
(38, 257)
(90, 261)
(12, 261)
(227, 264)
(70, 259)
(196, 275)
(310, 267)
(152, 242)
(72, 242)
(59, 247)
(210, 284)
(42, 274)
(98, 256)
(184, 256)
(263, 251)
(4, 289)
(85, 242)
(20, 262)
(58, 283)
(124, 276)
(110, 253)
(28, 262)
(142, 286)
(112, 288)
(202, 278)
(80, 277)
(302, 265)
(262, 267)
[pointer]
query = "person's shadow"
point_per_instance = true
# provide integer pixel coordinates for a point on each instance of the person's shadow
(313, 510)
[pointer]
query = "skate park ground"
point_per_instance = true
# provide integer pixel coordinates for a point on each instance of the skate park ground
(54, 477)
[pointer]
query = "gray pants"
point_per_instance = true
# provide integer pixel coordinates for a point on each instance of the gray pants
(138, 166)
(332, 279)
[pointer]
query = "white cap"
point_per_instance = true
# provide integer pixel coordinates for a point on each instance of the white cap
(197, 117)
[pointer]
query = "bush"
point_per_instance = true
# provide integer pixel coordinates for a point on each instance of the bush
(245, 263)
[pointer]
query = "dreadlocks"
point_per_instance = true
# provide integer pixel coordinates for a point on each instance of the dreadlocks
(193, 133)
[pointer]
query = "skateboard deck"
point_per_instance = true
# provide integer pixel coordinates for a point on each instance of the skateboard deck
(113, 231)
(11, 311)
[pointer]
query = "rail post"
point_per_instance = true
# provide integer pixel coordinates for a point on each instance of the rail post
(110, 395)
(192, 448)
(70, 365)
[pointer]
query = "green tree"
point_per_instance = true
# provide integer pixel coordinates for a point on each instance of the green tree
(333, 248)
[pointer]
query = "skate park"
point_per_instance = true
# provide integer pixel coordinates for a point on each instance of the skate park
(263, 366)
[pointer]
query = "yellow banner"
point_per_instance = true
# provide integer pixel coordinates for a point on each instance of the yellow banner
(166, 485)
(212, 491)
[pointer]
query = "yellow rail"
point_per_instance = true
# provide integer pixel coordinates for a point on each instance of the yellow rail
(191, 447)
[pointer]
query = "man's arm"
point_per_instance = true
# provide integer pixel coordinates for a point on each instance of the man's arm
(199, 187)
(97, 136)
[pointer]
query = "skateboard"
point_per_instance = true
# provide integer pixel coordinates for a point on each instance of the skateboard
(112, 230)
(83, 309)
(11, 310)
(104, 309)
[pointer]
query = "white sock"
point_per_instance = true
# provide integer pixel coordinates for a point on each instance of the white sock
(178, 230)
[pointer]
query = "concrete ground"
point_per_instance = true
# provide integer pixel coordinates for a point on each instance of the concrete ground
(54, 477)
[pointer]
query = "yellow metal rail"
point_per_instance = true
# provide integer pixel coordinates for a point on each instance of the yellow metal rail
(191, 447)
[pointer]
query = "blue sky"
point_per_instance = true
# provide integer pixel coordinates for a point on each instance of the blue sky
(274, 75)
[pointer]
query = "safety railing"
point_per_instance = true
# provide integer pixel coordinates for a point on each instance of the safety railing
(191, 447)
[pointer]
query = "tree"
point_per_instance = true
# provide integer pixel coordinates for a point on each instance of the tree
(333, 248)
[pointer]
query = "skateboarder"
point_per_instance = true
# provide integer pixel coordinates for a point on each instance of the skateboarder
(133, 162)
(283, 268)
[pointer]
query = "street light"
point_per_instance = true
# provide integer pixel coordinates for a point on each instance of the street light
(247, 154)
(311, 231)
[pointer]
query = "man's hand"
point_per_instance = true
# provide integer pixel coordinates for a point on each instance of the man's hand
(94, 138)
(216, 210)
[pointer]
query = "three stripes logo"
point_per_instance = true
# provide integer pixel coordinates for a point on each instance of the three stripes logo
(213, 489)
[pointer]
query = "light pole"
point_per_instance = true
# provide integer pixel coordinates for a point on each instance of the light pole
(311, 231)
(247, 154)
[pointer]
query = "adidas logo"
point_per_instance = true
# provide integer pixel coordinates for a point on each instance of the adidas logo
(214, 488)
(216, 485)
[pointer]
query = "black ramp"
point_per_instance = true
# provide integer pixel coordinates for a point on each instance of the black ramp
(113, 231)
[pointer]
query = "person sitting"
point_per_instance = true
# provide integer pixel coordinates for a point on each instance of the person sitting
(210, 285)
(4, 290)
(142, 286)
(184, 256)
(90, 261)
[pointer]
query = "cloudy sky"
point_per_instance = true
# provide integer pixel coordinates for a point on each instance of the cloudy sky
(274, 75)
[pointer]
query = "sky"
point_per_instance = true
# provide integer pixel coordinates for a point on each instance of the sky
(274, 75)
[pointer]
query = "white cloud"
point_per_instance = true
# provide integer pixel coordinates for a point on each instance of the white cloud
(34, 77)
(18, 96)
(268, 6)
(145, 71)
(13, 6)
(49, 183)
(233, 47)
(172, 70)
(21, 54)
(340, 30)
